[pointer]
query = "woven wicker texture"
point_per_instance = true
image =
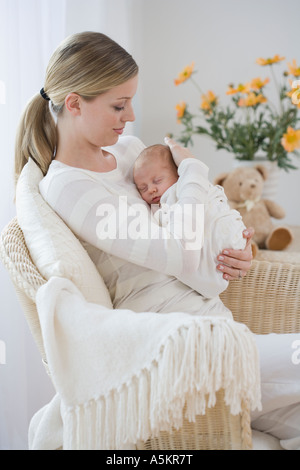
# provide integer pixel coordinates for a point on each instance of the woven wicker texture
(217, 429)
(24, 276)
(266, 300)
(16, 258)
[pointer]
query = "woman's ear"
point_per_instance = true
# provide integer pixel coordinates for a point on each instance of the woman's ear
(72, 104)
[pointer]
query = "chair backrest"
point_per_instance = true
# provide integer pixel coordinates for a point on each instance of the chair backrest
(54, 249)
(37, 245)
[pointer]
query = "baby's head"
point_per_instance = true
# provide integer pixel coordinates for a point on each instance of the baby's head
(154, 172)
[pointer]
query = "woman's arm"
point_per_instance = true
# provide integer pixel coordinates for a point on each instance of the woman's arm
(113, 218)
(118, 222)
(122, 225)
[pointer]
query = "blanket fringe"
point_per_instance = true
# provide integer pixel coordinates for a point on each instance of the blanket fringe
(192, 366)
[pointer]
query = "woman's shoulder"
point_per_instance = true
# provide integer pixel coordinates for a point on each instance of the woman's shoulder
(56, 178)
(126, 151)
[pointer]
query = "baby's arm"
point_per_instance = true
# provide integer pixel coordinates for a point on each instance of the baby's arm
(223, 227)
(225, 223)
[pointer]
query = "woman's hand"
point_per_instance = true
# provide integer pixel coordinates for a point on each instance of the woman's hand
(179, 153)
(237, 262)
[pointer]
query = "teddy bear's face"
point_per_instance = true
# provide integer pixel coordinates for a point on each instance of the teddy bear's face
(243, 184)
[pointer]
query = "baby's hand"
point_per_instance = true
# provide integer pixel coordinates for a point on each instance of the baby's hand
(179, 153)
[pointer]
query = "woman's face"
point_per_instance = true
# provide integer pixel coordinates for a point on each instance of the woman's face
(102, 120)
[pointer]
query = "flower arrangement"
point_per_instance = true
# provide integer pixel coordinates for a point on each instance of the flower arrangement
(251, 125)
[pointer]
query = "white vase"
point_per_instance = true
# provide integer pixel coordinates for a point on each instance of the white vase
(271, 183)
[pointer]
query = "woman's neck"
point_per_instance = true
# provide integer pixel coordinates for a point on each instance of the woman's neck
(73, 152)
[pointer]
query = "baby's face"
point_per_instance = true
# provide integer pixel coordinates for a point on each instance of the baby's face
(152, 180)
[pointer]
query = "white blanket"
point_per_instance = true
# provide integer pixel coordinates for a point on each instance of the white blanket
(122, 376)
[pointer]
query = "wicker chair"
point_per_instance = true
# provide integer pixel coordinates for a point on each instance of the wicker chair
(259, 300)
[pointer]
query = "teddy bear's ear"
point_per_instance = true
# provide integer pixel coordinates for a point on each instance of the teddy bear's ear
(220, 179)
(262, 170)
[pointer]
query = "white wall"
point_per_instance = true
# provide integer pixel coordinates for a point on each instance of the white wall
(224, 38)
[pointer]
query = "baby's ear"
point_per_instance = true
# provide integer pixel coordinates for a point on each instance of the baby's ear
(220, 179)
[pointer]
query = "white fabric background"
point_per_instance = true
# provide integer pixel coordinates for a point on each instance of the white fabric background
(30, 30)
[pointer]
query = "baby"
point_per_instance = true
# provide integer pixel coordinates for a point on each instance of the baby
(159, 182)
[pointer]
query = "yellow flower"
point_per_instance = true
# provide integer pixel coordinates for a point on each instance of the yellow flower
(261, 99)
(180, 108)
(184, 74)
(293, 69)
(269, 61)
(208, 100)
(256, 84)
(252, 100)
(291, 140)
(240, 89)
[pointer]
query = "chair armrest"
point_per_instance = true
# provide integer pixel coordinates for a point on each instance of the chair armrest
(218, 429)
(267, 300)
(24, 275)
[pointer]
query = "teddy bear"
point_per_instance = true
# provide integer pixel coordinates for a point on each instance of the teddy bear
(243, 187)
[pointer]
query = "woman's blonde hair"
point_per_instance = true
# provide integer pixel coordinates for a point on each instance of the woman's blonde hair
(87, 63)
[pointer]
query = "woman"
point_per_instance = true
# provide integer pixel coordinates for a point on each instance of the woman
(90, 83)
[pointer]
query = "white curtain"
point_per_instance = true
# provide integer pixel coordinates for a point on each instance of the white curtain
(29, 32)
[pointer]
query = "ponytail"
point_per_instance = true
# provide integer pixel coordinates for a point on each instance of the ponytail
(36, 136)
